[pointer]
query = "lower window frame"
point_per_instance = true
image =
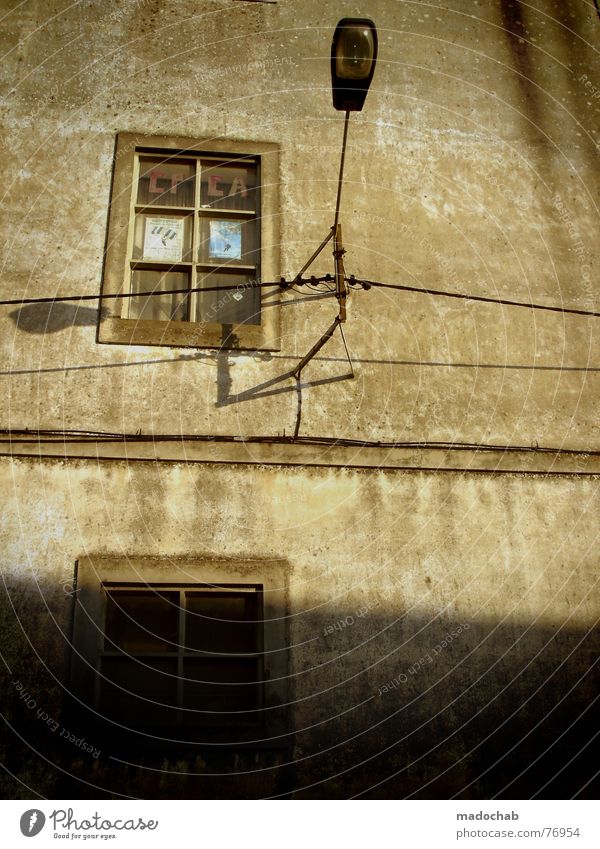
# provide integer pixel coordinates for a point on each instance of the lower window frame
(272, 726)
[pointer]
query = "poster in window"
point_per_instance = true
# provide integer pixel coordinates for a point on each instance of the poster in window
(163, 239)
(225, 240)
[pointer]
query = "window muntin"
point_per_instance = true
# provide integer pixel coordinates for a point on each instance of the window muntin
(190, 656)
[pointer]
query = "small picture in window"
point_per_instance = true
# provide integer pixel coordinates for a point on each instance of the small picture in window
(225, 241)
(163, 239)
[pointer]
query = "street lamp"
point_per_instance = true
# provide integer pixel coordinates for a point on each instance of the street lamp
(353, 57)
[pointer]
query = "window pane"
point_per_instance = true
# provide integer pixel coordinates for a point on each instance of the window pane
(142, 691)
(225, 241)
(166, 238)
(141, 621)
(222, 622)
(220, 686)
(166, 182)
(157, 308)
(232, 306)
(228, 186)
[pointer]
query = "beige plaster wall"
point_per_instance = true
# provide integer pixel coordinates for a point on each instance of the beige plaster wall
(381, 567)
(473, 167)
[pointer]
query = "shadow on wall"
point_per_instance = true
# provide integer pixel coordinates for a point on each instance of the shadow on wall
(537, 75)
(386, 704)
(274, 386)
(514, 29)
(52, 318)
(582, 60)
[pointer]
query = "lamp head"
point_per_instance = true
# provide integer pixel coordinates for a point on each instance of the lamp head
(353, 56)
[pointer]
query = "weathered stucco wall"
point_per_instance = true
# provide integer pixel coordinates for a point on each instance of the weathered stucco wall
(474, 168)
(382, 566)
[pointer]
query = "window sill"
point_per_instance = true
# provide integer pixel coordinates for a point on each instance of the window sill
(187, 334)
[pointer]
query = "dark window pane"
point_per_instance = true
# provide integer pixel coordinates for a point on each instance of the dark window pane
(228, 186)
(141, 621)
(140, 691)
(222, 622)
(225, 688)
(239, 304)
(166, 182)
(157, 308)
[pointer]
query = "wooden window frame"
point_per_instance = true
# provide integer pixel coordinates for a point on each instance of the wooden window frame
(269, 577)
(114, 326)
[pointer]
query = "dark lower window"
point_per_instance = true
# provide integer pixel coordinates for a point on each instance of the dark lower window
(181, 655)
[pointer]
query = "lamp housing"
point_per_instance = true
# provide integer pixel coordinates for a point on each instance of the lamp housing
(353, 57)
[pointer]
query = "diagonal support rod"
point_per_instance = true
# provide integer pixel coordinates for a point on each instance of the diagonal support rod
(317, 347)
(309, 262)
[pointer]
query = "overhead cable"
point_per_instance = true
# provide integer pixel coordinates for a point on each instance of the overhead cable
(367, 284)
(354, 283)
(158, 293)
(52, 436)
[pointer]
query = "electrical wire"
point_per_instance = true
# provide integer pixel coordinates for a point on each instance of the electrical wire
(110, 296)
(282, 284)
(347, 351)
(322, 291)
(353, 282)
(53, 436)
(367, 284)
